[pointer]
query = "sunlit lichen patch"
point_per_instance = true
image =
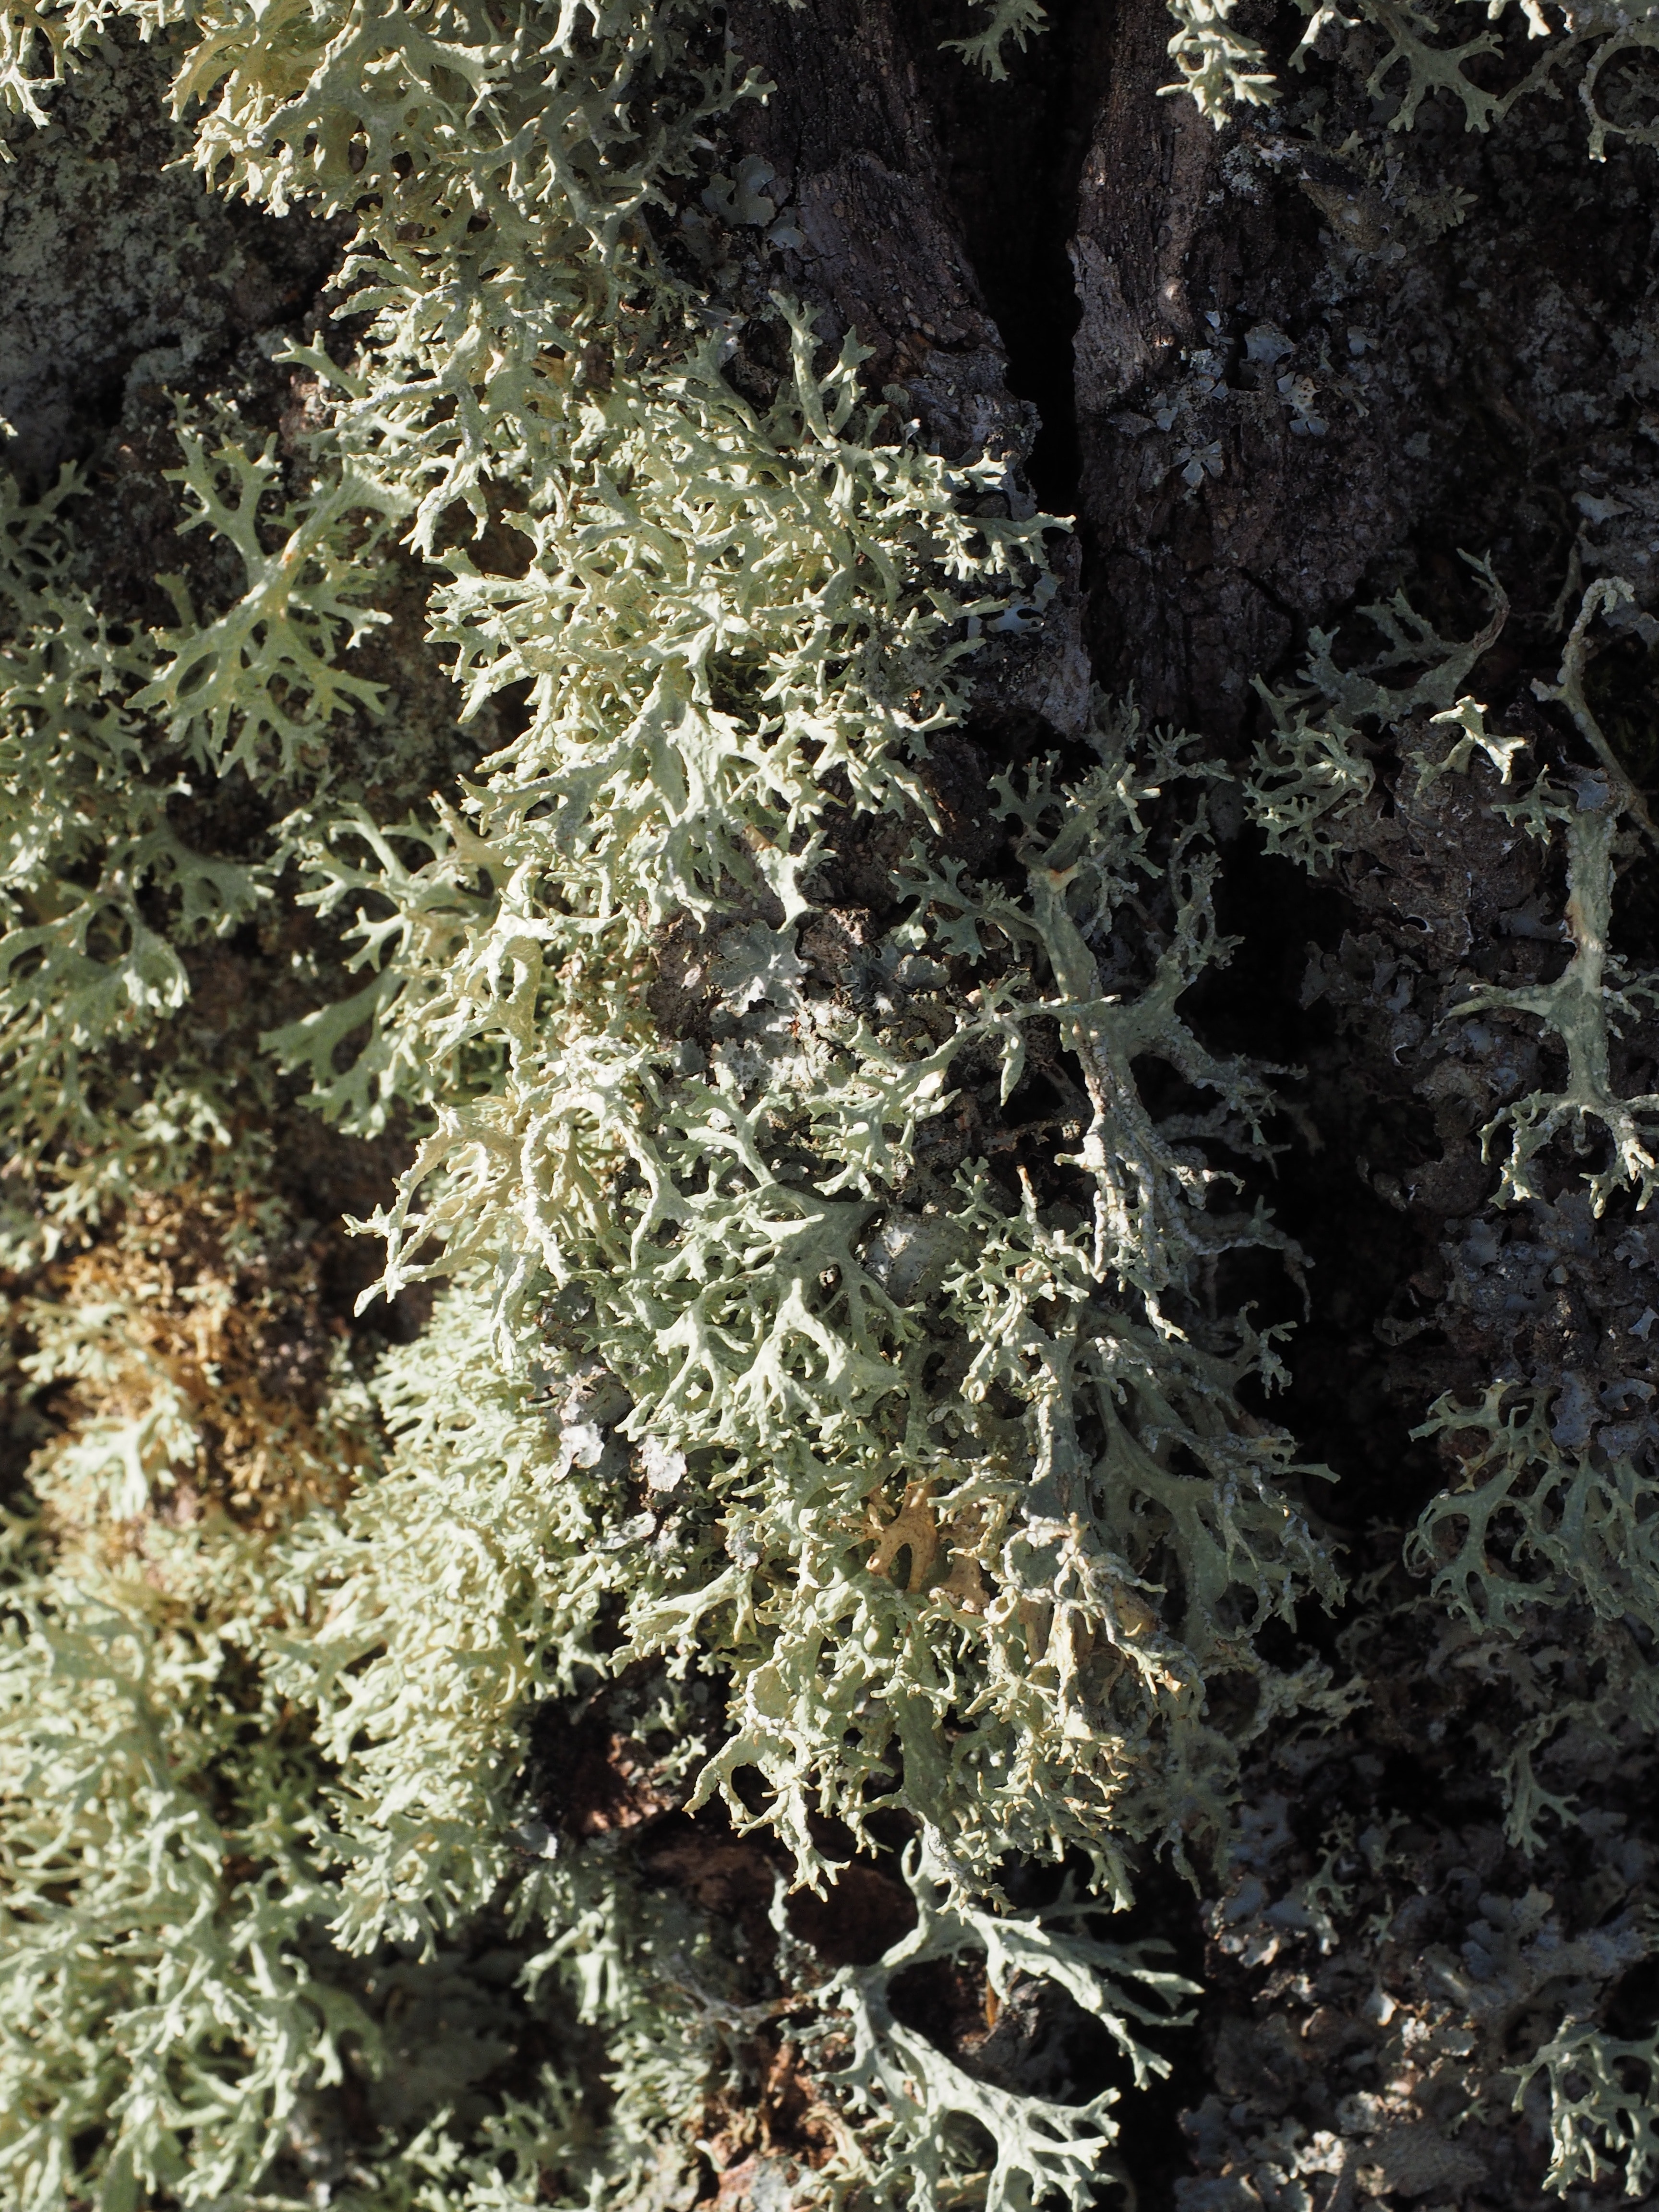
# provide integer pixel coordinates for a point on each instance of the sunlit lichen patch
(798, 1511)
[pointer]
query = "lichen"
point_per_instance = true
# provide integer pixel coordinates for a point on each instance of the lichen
(695, 1429)
(1223, 68)
(836, 1493)
(1601, 2106)
(1547, 1532)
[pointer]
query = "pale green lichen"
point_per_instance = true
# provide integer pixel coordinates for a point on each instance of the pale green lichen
(717, 1231)
(1583, 1009)
(262, 675)
(845, 1477)
(1602, 2106)
(1555, 1515)
(1308, 775)
(1012, 22)
(1224, 67)
(1312, 772)
(1578, 1526)
(258, 1767)
(88, 851)
(917, 2098)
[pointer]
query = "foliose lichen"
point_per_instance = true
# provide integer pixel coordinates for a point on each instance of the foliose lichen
(849, 1491)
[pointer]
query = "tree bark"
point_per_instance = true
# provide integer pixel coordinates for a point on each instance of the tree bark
(1272, 374)
(1275, 371)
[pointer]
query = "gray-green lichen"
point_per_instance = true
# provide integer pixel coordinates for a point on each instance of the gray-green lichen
(841, 1519)
(760, 1424)
(1420, 54)
(1548, 1530)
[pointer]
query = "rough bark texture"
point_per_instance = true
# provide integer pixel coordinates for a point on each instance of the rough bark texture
(1273, 370)
(1280, 369)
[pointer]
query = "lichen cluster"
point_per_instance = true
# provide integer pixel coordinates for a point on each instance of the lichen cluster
(831, 1461)
(1412, 51)
(840, 1474)
(1534, 1571)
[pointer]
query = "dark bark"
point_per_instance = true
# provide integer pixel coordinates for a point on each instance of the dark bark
(1279, 370)
(1274, 371)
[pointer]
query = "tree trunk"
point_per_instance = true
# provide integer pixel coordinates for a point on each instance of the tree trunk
(1276, 370)
(1285, 378)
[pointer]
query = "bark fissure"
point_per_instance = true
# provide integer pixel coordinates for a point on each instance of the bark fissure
(1276, 373)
